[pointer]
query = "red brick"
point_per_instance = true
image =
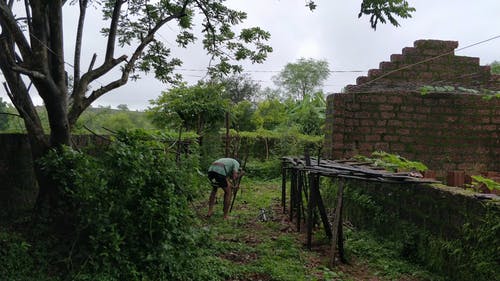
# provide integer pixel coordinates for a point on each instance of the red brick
(405, 116)
(406, 139)
(379, 130)
(366, 147)
(385, 107)
(387, 115)
(489, 128)
(403, 132)
(397, 147)
(486, 120)
(391, 138)
(395, 100)
(373, 73)
(368, 122)
(362, 115)
(383, 146)
(394, 123)
(410, 124)
(386, 65)
(364, 130)
(378, 99)
(409, 51)
(372, 138)
(422, 109)
(407, 108)
(362, 80)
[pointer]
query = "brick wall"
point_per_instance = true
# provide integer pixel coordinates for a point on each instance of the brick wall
(445, 130)
(428, 62)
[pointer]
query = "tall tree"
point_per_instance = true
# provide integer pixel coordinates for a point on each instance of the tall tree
(194, 108)
(32, 56)
(239, 87)
(302, 77)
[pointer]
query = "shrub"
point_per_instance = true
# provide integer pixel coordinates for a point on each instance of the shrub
(267, 170)
(130, 212)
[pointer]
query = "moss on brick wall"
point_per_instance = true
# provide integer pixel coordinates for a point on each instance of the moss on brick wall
(442, 228)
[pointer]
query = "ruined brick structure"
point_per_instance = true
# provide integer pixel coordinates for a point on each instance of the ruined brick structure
(451, 129)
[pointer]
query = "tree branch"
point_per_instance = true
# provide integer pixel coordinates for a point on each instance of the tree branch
(110, 48)
(31, 73)
(8, 22)
(28, 16)
(78, 41)
(56, 44)
(81, 103)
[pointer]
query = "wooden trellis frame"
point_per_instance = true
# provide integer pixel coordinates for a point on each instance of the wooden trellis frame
(304, 174)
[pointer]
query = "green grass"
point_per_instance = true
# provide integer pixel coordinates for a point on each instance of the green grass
(251, 249)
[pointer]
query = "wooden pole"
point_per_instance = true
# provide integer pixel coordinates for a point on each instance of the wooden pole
(311, 205)
(293, 184)
(283, 186)
(336, 224)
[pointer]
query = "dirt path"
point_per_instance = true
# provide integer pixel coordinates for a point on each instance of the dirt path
(245, 234)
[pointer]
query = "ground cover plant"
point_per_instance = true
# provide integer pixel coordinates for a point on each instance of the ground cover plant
(260, 243)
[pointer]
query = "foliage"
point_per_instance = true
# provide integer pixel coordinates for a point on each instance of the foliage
(239, 87)
(380, 10)
(485, 93)
(102, 120)
(392, 162)
(309, 114)
(495, 67)
(265, 144)
(467, 253)
(129, 212)
(241, 116)
(19, 261)
(190, 107)
(4, 118)
(302, 77)
(488, 183)
(264, 170)
(269, 114)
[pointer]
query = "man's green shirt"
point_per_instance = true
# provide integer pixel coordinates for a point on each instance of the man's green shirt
(230, 166)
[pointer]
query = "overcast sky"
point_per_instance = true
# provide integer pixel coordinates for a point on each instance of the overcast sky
(332, 32)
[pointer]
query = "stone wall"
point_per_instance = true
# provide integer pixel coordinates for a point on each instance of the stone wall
(447, 130)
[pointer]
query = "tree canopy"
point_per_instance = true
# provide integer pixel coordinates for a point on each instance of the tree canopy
(302, 77)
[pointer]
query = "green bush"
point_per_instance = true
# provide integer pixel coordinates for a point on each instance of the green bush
(130, 212)
(266, 170)
(18, 260)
